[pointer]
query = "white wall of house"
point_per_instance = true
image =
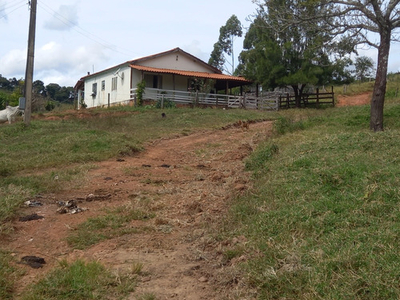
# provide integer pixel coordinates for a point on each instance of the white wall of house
(176, 61)
(111, 85)
(100, 89)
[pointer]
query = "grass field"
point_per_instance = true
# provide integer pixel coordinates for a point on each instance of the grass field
(324, 218)
(322, 221)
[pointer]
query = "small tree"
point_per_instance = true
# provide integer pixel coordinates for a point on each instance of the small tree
(141, 86)
(364, 67)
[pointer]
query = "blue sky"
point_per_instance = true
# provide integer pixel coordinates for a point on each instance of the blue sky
(75, 37)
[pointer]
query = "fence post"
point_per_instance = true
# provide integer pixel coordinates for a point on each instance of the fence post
(287, 100)
(162, 101)
(317, 97)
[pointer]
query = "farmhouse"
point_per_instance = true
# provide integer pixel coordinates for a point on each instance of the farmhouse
(174, 74)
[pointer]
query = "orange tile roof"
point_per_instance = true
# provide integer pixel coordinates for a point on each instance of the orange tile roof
(191, 73)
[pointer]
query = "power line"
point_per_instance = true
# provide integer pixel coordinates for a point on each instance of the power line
(82, 31)
(13, 8)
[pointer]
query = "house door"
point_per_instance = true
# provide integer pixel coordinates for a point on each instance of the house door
(153, 81)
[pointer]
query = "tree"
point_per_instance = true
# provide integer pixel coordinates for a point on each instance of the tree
(39, 88)
(65, 94)
(359, 21)
(4, 83)
(282, 52)
(227, 34)
(52, 89)
(364, 67)
(217, 58)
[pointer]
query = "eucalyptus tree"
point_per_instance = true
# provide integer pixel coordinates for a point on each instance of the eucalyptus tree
(225, 45)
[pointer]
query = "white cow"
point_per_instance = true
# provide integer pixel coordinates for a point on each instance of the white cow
(9, 114)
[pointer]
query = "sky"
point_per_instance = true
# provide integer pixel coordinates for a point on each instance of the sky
(76, 37)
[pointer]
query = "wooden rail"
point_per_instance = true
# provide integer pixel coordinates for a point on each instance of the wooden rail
(267, 101)
(204, 99)
(308, 100)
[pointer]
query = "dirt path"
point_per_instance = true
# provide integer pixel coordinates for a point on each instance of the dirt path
(187, 183)
(361, 99)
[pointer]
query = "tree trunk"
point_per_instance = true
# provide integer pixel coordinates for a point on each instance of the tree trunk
(378, 96)
(298, 94)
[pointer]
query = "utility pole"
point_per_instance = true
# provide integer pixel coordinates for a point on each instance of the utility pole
(29, 63)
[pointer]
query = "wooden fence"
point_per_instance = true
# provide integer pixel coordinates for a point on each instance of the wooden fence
(316, 99)
(266, 101)
(246, 101)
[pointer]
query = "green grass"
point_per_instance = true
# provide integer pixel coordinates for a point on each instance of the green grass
(8, 274)
(113, 224)
(81, 281)
(325, 213)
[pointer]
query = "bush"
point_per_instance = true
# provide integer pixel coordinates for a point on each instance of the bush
(50, 105)
(140, 91)
(167, 104)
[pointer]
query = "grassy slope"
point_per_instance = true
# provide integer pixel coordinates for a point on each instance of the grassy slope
(325, 214)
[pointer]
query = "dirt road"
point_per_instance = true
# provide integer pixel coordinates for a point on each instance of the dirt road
(187, 183)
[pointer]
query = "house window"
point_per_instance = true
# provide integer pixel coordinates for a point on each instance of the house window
(103, 85)
(94, 89)
(114, 83)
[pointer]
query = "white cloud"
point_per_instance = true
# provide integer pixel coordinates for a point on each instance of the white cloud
(195, 49)
(65, 18)
(64, 65)
(13, 62)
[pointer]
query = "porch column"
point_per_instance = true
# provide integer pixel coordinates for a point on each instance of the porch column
(227, 88)
(79, 99)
